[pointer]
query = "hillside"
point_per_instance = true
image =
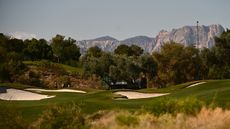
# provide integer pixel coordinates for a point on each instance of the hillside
(52, 75)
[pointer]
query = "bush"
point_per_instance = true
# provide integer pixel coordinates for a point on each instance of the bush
(206, 119)
(29, 78)
(10, 118)
(62, 117)
(161, 106)
(127, 120)
(63, 81)
(50, 66)
(34, 79)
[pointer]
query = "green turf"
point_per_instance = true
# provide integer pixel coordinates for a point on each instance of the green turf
(67, 68)
(215, 91)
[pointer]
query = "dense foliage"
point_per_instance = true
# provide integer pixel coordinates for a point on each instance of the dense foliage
(14, 51)
(120, 66)
(218, 58)
(177, 64)
(132, 50)
(65, 50)
(173, 64)
(62, 117)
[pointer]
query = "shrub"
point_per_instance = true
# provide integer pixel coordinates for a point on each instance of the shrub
(34, 79)
(62, 117)
(127, 120)
(10, 118)
(52, 67)
(31, 77)
(64, 81)
(206, 119)
(161, 106)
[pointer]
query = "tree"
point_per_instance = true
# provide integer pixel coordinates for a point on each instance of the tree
(177, 64)
(15, 45)
(58, 47)
(65, 50)
(71, 50)
(133, 71)
(118, 71)
(219, 59)
(149, 66)
(3, 71)
(94, 52)
(46, 50)
(98, 65)
(10, 65)
(106, 60)
(10, 57)
(222, 48)
(133, 50)
(123, 50)
(136, 50)
(37, 49)
(3, 40)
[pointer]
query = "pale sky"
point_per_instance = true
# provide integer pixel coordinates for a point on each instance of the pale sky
(88, 19)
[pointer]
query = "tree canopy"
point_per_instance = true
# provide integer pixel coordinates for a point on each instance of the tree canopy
(37, 49)
(132, 50)
(173, 64)
(65, 50)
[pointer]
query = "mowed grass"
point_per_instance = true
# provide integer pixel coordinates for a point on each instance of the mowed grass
(216, 92)
(67, 68)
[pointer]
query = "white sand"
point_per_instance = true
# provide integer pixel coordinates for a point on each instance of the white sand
(59, 90)
(195, 84)
(138, 95)
(14, 94)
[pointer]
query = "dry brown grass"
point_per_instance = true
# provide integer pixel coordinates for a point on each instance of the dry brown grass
(205, 119)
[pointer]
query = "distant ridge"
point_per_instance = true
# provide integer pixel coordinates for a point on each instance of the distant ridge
(185, 35)
(104, 38)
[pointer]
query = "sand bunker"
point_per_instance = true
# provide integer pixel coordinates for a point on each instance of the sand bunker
(14, 94)
(195, 84)
(138, 95)
(59, 90)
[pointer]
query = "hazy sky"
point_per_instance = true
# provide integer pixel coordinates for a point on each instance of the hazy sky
(88, 19)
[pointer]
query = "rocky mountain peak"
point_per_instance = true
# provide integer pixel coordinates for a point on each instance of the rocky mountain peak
(187, 35)
(138, 39)
(105, 38)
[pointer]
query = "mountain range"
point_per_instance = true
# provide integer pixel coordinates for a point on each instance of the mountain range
(21, 35)
(186, 35)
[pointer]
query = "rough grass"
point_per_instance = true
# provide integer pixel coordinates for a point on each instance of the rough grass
(206, 119)
(61, 117)
(190, 106)
(72, 117)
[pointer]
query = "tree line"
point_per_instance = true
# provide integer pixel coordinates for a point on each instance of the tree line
(14, 51)
(173, 64)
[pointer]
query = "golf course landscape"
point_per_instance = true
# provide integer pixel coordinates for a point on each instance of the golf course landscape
(212, 94)
(57, 84)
